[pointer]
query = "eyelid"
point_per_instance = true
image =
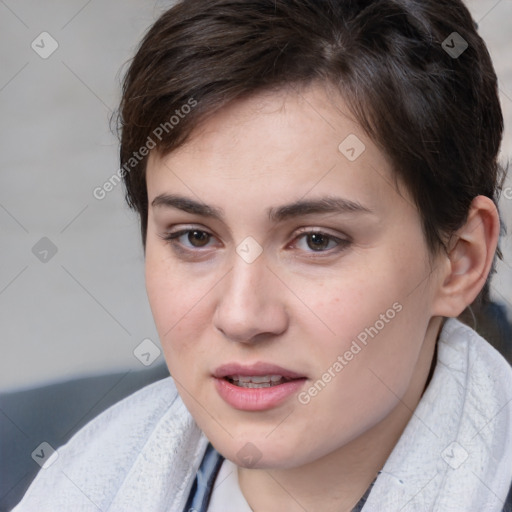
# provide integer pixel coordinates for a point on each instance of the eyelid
(314, 229)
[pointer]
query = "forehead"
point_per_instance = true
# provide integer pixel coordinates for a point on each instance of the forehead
(274, 147)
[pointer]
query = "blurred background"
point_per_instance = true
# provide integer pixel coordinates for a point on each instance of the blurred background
(72, 296)
(82, 310)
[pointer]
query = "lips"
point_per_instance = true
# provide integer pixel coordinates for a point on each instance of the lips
(259, 369)
(256, 387)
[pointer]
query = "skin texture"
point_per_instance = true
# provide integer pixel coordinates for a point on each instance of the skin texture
(295, 306)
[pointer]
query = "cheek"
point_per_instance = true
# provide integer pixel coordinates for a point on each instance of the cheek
(178, 304)
(351, 302)
(376, 322)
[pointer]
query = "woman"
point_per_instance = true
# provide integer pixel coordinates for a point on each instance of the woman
(317, 185)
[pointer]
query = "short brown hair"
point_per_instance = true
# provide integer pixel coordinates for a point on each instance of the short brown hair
(436, 115)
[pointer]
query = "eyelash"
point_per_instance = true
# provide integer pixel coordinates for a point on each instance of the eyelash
(172, 238)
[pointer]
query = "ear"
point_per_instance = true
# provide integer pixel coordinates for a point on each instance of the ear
(471, 250)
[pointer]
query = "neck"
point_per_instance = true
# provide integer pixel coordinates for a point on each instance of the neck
(337, 481)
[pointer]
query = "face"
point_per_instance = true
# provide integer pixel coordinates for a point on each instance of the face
(278, 247)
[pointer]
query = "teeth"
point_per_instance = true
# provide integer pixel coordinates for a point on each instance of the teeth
(253, 385)
(260, 381)
(257, 379)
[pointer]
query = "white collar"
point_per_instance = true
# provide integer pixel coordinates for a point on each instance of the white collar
(226, 495)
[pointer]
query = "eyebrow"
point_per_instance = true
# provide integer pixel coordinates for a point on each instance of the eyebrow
(327, 204)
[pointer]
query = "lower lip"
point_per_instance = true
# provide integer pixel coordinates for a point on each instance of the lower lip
(256, 399)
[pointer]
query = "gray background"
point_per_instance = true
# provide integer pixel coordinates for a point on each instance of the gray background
(84, 310)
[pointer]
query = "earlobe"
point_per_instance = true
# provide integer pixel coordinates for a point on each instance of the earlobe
(469, 258)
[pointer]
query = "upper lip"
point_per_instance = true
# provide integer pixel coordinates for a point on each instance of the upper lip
(256, 369)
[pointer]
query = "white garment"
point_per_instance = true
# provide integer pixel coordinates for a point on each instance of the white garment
(455, 454)
(226, 494)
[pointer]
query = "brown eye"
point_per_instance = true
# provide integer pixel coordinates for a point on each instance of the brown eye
(188, 238)
(318, 241)
(198, 238)
(321, 243)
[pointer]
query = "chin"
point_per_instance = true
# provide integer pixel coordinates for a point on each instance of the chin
(256, 452)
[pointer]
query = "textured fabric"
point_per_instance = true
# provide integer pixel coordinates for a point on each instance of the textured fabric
(141, 454)
(455, 454)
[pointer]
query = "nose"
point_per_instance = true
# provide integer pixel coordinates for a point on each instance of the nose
(251, 303)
